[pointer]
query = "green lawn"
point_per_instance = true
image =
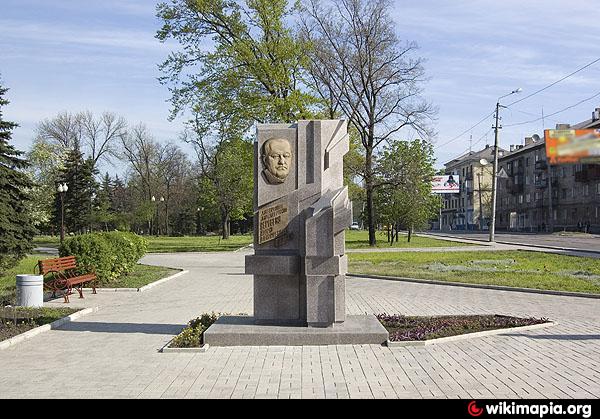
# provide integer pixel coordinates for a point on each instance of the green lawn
(354, 240)
(197, 244)
(141, 276)
(360, 240)
(46, 241)
(514, 269)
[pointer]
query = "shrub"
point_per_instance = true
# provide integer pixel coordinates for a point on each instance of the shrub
(192, 335)
(110, 255)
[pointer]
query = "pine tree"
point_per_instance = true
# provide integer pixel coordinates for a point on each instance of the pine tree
(16, 228)
(78, 174)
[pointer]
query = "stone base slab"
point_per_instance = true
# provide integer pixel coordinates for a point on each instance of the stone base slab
(242, 331)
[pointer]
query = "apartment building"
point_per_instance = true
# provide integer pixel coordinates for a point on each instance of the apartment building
(471, 209)
(536, 197)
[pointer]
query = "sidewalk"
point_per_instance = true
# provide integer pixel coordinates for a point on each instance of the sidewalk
(114, 353)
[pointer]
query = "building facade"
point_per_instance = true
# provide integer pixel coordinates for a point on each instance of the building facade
(537, 197)
(471, 209)
(533, 196)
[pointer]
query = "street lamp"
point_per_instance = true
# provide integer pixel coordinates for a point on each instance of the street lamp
(153, 199)
(496, 157)
(62, 189)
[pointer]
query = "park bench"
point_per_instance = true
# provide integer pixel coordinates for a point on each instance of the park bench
(62, 274)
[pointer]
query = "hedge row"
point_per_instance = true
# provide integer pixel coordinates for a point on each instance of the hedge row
(110, 255)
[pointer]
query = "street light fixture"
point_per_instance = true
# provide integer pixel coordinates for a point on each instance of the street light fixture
(62, 189)
(496, 157)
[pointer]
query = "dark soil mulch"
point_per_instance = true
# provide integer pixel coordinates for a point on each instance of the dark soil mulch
(402, 328)
(14, 321)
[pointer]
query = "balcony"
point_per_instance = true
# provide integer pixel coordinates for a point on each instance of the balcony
(541, 184)
(541, 165)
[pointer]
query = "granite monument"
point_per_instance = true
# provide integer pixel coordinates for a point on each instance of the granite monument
(299, 264)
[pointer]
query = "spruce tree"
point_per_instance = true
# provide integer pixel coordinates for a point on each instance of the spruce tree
(16, 228)
(78, 174)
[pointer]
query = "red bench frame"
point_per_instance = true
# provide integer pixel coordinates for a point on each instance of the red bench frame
(62, 276)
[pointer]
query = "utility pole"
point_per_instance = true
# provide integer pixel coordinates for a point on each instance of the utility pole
(496, 158)
(495, 174)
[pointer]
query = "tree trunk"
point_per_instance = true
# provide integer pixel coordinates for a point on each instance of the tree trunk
(410, 230)
(370, 204)
(397, 232)
(167, 217)
(225, 224)
(389, 233)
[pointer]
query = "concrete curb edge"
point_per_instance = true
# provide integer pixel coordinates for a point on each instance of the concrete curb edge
(46, 328)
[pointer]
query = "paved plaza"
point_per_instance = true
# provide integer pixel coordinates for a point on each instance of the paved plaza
(114, 352)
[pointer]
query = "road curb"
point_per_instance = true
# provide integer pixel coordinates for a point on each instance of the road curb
(142, 289)
(46, 328)
(478, 286)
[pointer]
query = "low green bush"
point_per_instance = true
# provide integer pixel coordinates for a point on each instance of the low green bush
(192, 335)
(110, 255)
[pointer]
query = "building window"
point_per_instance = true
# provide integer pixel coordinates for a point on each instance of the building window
(528, 198)
(520, 199)
(586, 190)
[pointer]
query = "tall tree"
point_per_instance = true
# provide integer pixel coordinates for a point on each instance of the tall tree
(227, 179)
(78, 173)
(403, 196)
(16, 229)
(97, 137)
(252, 73)
(360, 66)
(172, 167)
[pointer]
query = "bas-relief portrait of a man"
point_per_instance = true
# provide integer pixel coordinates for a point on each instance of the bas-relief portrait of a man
(277, 159)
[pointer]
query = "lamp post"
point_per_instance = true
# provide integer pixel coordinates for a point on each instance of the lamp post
(62, 189)
(162, 200)
(153, 226)
(156, 214)
(496, 157)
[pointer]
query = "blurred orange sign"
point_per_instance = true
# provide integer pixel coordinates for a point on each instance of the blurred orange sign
(573, 146)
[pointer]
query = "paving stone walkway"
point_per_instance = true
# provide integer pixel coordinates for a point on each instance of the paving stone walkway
(114, 353)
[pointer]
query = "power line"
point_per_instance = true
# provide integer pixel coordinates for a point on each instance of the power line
(465, 132)
(556, 82)
(474, 144)
(555, 113)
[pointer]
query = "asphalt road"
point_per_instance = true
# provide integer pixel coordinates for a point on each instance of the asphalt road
(570, 241)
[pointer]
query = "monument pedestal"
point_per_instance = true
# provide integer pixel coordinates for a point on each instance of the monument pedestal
(242, 331)
(302, 210)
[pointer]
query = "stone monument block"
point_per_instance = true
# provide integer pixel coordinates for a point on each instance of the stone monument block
(299, 265)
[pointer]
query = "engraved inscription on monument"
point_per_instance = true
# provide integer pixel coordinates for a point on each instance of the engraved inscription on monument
(273, 222)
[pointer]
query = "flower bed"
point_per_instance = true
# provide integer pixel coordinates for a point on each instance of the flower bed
(407, 329)
(16, 320)
(192, 335)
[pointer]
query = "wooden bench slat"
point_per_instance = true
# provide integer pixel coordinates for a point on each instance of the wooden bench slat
(65, 266)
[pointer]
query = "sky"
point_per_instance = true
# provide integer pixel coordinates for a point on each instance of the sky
(69, 55)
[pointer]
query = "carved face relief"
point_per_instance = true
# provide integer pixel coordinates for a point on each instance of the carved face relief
(277, 160)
